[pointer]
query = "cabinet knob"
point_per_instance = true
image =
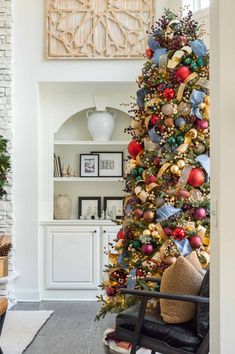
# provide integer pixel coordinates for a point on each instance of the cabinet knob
(104, 231)
(95, 231)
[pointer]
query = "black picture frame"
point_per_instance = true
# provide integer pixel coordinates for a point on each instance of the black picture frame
(96, 166)
(110, 163)
(80, 206)
(107, 199)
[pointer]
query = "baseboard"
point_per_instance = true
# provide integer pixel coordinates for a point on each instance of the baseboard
(27, 295)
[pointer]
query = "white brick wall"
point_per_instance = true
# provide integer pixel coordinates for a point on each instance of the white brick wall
(6, 205)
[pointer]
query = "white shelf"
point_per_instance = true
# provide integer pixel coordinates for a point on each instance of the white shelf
(90, 142)
(88, 179)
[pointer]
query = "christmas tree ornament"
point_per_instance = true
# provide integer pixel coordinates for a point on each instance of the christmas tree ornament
(196, 177)
(149, 53)
(138, 212)
(155, 119)
(157, 161)
(183, 194)
(200, 213)
(184, 108)
(152, 227)
(167, 109)
(167, 231)
(121, 235)
(169, 260)
(147, 249)
(187, 60)
(111, 291)
(149, 216)
(195, 241)
(199, 148)
(150, 179)
(134, 148)
(179, 233)
(169, 93)
(136, 244)
(146, 232)
(159, 201)
(196, 195)
(202, 124)
(200, 62)
(181, 164)
(182, 73)
(155, 233)
(180, 122)
(174, 169)
(179, 139)
(168, 122)
(140, 273)
(183, 41)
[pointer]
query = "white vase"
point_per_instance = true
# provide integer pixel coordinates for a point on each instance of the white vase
(100, 124)
(62, 207)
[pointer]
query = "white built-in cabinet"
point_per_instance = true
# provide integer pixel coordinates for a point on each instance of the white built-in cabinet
(73, 252)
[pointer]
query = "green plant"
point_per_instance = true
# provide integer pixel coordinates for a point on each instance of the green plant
(5, 165)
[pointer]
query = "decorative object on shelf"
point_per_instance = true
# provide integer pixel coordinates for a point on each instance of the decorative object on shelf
(62, 207)
(5, 247)
(65, 171)
(117, 32)
(70, 171)
(110, 163)
(58, 171)
(5, 165)
(89, 207)
(111, 203)
(100, 124)
(89, 165)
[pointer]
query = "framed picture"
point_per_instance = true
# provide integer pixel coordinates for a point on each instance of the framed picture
(89, 206)
(89, 165)
(110, 163)
(117, 202)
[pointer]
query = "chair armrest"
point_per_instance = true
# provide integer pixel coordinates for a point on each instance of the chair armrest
(158, 295)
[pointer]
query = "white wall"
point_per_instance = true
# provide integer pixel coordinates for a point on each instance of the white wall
(30, 69)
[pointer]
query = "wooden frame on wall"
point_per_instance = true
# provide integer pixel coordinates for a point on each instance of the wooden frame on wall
(98, 29)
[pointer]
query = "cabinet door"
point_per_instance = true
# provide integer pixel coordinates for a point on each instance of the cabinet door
(72, 257)
(109, 234)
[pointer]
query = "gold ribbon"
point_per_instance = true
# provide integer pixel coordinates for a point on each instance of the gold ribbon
(163, 169)
(189, 136)
(176, 58)
(184, 84)
(161, 231)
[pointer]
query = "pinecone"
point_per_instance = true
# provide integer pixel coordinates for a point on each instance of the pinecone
(5, 249)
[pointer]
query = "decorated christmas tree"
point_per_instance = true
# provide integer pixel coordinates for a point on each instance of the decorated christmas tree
(166, 208)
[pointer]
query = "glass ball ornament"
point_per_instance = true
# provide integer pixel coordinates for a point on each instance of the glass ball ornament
(184, 108)
(181, 164)
(159, 201)
(179, 139)
(149, 53)
(180, 122)
(174, 169)
(179, 233)
(196, 195)
(183, 41)
(146, 232)
(168, 122)
(182, 73)
(200, 62)
(151, 227)
(199, 149)
(136, 244)
(187, 61)
(154, 233)
(195, 241)
(196, 177)
(171, 140)
(175, 25)
(149, 215)
(147, 249)
(167, 109)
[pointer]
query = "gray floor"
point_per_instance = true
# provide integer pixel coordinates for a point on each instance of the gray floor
(70, 330)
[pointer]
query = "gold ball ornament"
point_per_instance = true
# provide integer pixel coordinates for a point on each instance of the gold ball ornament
(149, 216)
(155, 233)
(184, 108)
(174, 169)
(151, 227)
(181, 164)
(146, 232)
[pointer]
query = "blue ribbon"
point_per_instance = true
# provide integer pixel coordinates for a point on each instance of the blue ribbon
(204, 161)
(199, 48)
(155, 138)
(195, 100)
(183, 246)
(156, 48)
(140, 96)
(166, 211)
(131, 280)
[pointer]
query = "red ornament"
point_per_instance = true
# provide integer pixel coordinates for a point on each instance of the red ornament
(155, 119)
(169, 93)
(183, 41)
(179, 233)
(157, 161)
(202, 124)
(200, 213)
(196, 177)
(149, 53)
(139, 273)
(111, 291)
(138, 212)
(121, 235)
(150, 179)
(134, 148)
(167, 231)
(147, 249)
(183, 194)
(182, 73)
(195, 241)
(149, 216)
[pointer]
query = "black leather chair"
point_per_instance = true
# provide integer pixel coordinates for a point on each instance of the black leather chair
(3, 309)
(143, 329)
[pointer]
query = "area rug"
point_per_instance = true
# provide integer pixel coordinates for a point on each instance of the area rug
(20, 329)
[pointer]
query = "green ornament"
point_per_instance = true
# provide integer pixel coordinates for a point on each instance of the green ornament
(179, 139)
(193, 66)
(140, 170)
(200, 62)
(136, 244)
(171, 140)
(138, 178)
(187, 61)
(134, 172)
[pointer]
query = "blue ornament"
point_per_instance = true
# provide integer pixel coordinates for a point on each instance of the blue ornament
(180, 122)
